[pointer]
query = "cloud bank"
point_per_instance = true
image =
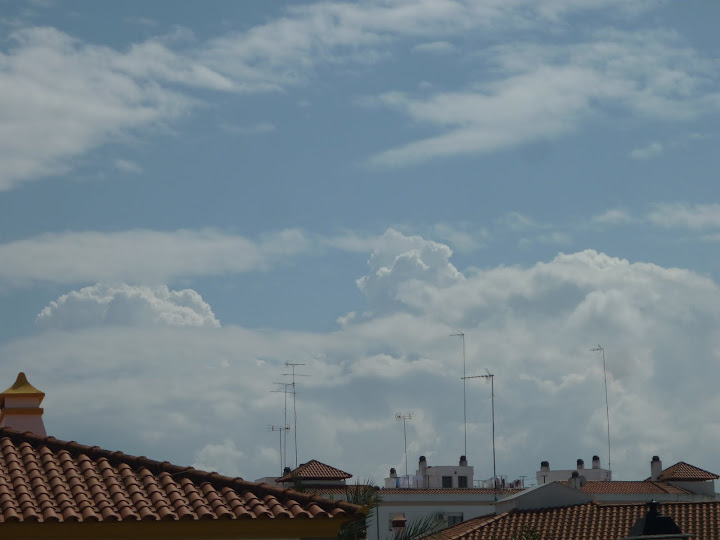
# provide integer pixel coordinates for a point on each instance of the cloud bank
(202, 393)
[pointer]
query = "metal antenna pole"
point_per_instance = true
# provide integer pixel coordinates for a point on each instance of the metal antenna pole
(607, 407)
(462, 335)
(287, 427)
(491, 377)
(280, 430)
(294, 393)
(401, 418)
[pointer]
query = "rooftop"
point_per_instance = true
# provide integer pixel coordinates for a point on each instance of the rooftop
(593, 520)
(682, 471)
(315, 470)
(43, 479)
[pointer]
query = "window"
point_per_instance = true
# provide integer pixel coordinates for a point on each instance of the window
(454, 518)
(447, 481)
(462, 481)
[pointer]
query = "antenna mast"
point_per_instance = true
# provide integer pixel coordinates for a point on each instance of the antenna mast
(607, 408)
(294, 393)
(462, 336)
(401, 418)
(280, 429)
(285, 422)
(491, 377)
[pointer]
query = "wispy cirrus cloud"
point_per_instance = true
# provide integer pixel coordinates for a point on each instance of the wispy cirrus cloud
(652, 150)
(62, 98)
(685, 215)
(539, 92)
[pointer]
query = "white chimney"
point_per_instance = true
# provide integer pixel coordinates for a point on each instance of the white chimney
(596, 462)
(655, 468)
(580, 464)
(20, 407)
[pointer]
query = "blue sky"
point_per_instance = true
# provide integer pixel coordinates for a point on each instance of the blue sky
(193, 194)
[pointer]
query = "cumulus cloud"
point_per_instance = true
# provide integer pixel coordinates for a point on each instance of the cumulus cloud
(127, 305)
(142, 256)
(224, 457)
(531, 326)
(399, 262)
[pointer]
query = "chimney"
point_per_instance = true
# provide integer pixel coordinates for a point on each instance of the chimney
(422, 465)
(393, 473)
(463, 461)
(576, 480)
(398, 525)
(287, 470)
(20, 407)
(580, 464)
(544, 466)
(596, 462)
(655, 468)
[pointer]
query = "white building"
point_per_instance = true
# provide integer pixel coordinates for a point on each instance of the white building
(445, 492)
(444, 476)
(596, 474)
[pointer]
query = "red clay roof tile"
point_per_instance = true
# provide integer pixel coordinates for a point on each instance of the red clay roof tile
(47, 480)
(620, 486)
(594, 521)
(315, 470)
(682, 471)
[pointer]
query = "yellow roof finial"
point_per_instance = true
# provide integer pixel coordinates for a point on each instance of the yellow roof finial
(21, 387)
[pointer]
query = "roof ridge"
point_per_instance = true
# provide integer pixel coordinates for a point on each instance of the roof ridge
(157, 467)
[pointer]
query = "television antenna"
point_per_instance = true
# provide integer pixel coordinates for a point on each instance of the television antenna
(402, 418)
(462, 336)
(607, 408)
(283, 450)
(294, 394)
(489, 376)
(280, 430)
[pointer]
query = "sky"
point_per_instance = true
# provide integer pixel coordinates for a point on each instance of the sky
(194, 194)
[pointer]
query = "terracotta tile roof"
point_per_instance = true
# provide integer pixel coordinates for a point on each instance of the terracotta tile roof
(617, 486)
(444, 491)
(586, 521)
(684, 471)
(315, 470)
(43, 479)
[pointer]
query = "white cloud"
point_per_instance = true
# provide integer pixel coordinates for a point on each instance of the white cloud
(555, 237)
(61, 98)
(262, 127)
(652, 150)
(435, 47)
(142, 256)
(224, 457)
(128, 166)
(543, 92)
(178, 392)
(685, 215)
(613, 216)
(399, 262)
(462, 237)
(127, 305)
